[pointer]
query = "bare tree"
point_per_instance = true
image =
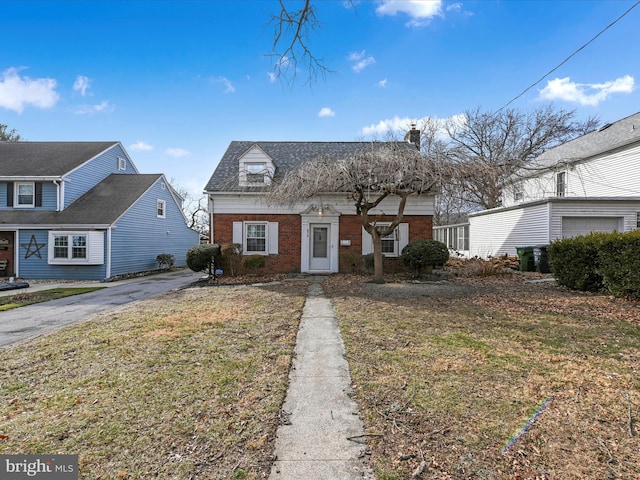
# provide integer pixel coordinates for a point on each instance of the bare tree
(485, 149)
(8, 136)
(388, 169)
(292, 30)
(195, 209)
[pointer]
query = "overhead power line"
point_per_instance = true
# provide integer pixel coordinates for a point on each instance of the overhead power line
(569, 57)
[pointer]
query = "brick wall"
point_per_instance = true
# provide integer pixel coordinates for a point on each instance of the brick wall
(290, 231)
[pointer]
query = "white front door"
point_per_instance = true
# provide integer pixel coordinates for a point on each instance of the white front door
(319, 249)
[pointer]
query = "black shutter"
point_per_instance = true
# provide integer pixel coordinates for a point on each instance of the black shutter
(38, 194)
(9, 194)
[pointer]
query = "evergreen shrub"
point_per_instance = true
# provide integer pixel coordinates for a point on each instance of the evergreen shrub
(422, 256)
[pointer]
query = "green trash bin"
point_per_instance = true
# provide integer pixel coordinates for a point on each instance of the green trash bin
(525, 254)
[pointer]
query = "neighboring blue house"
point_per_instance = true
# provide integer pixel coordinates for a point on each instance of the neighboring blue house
(81, 210)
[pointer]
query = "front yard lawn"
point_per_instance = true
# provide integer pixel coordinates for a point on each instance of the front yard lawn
(447, 375)
(186, 385)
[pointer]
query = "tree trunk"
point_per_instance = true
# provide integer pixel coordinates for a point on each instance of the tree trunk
(378, 274)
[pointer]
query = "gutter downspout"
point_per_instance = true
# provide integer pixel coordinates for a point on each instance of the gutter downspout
(108, 269)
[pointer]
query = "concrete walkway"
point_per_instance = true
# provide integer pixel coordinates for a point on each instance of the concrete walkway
(321, 437)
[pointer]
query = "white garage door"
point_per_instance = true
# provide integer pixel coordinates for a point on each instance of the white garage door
(574, 226)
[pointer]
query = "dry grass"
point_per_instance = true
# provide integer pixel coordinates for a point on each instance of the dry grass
(448, 373)
(188, 385)
(20, 299)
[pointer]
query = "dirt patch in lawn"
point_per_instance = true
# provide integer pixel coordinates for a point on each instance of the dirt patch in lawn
(493, 377)
(187, 385)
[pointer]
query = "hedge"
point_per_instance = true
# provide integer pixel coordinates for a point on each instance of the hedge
(608, 262)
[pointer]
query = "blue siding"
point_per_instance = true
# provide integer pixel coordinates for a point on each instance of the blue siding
(90, 174)
(36, 267)
(49, 197)
(139, 236)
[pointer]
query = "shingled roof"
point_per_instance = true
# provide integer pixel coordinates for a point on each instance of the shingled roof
(285, 156)
(100, 206)
(609, 137)
(47, 159)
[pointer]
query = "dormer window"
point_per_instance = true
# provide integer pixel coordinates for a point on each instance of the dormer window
(256, 173)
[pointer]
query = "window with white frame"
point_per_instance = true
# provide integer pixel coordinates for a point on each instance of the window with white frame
(67, 248)
(518, 192)
(25, 194)
(389, 242)
(70, 247)
(161, 208)
(122, 163)
(256, 173)
(561, 184)
(255, 239)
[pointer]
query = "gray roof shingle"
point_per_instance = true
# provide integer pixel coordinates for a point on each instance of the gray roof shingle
(285, 156)
(47, 159)
(615, 135)
(102, 205)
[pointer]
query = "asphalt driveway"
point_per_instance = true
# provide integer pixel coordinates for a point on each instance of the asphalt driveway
(25, 323)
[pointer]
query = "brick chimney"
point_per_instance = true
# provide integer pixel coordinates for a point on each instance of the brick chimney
(414, 136)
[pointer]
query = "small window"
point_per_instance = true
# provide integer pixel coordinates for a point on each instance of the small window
(463, 237)
(161, 208)
(518, 192)
(25, 194)
(256, 172)
(390, 244)
(561, 184)
(638, 220)
(122, 163)
(256, 238)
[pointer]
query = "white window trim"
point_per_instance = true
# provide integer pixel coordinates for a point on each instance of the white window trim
(95, 248)
(16, 188)
(245, 230)
(561, 192)
(401, 234)
(122, 163)
(271, 236)
(161, 204)
(268, 172)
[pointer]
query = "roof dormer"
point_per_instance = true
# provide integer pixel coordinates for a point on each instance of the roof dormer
(255, 168)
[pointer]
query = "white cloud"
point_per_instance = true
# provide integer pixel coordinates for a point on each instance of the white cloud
(16, 92)
(360, 61)
(326, 112)
(177, 152)
(272, 77)
(590, 94)
(81, 84)
(420, 11)
(397, 125)
(141, 147)
(101, 107)
(382, 83)
(228, 86)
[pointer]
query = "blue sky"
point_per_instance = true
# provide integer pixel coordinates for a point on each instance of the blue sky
(176, 81)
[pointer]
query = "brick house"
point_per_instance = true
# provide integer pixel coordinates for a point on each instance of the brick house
(321, 235)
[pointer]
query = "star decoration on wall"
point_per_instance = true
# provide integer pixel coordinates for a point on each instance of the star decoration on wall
(33, 247)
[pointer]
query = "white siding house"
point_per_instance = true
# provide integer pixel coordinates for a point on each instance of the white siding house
(591, 183)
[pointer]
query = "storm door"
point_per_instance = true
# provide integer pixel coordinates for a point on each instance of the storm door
(319, 250)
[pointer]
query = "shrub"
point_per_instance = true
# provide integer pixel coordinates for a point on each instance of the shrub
(574, 261)
(254, 262)
(165, 260)
(422, 256)
(203, 258)
(232, 256)
(619, 264)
